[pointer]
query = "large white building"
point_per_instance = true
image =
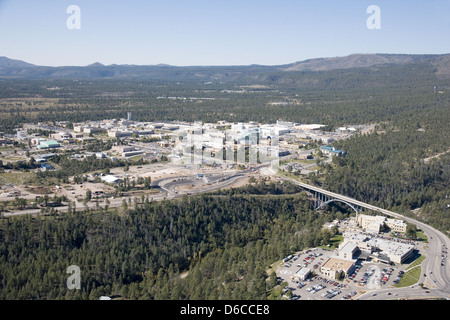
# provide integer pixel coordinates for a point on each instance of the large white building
(110, 178)
(396, 252)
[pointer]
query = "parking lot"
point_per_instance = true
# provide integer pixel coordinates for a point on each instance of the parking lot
(367, 276)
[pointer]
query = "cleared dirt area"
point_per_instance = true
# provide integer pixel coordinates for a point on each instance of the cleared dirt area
(426, 160)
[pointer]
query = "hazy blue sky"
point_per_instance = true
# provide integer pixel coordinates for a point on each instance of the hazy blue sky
(216, 32)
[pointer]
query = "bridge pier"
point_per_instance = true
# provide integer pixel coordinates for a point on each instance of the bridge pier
(321, 200)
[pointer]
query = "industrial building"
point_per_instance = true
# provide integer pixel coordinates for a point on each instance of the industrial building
(332, 151)
(48, 144)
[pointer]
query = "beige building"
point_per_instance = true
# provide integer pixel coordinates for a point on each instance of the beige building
(126, 151)
(396, 225)
(118, 134)
(61, 136)
(377, 223)
(89, 130)
(336, 266)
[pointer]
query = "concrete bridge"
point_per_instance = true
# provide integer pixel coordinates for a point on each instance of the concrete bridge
(321, 200)
(324, 197)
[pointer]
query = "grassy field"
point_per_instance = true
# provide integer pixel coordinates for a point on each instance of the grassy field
(17, 178)
(412, 273)
(421, 236)
(334, 242)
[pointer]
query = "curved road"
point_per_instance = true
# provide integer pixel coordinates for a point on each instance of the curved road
(165, 184)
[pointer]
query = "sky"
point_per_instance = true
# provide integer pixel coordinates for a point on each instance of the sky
(217, 32)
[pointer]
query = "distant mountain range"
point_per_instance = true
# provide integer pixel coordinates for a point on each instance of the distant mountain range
(10, 68)
(366, 60)
(11, 63)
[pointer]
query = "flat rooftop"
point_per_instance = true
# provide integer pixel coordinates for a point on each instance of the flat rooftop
(336, 263)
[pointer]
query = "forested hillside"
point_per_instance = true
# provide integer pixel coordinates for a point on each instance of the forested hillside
(226, 243)
(336, 97)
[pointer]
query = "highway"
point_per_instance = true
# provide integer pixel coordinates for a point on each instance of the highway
(169, 184)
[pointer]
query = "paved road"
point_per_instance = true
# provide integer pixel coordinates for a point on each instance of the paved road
(169, 184)
(166, 185)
